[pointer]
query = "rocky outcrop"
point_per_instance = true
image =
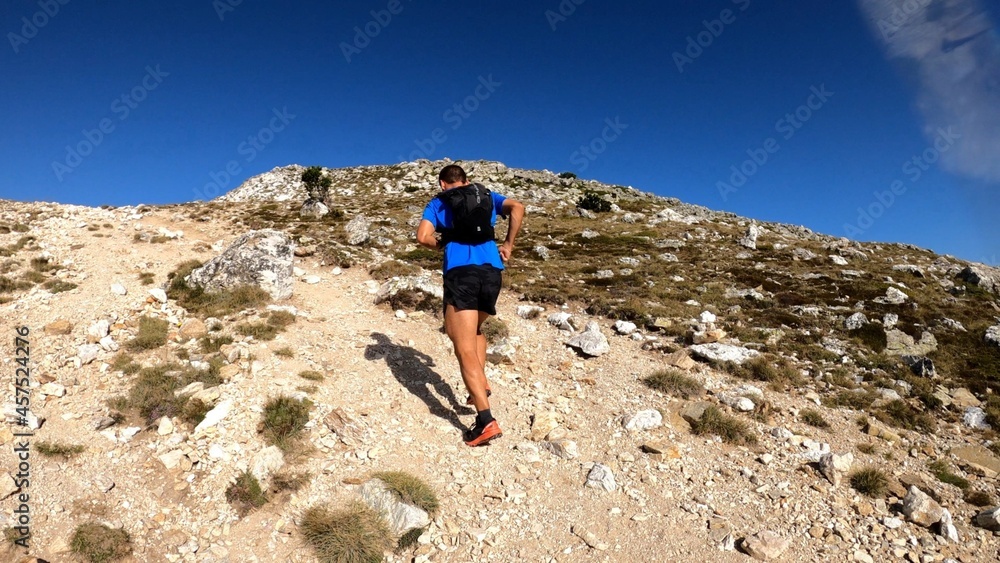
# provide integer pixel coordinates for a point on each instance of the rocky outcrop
(261, 258)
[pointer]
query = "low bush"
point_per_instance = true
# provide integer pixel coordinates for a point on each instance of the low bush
(731, 429)
(870, 481)
(283, 421)
(673, 382)
(356, 534)
(245, 494)
(97, 543)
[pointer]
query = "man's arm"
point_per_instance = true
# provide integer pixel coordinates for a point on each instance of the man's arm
(515, 210)
(425, 235)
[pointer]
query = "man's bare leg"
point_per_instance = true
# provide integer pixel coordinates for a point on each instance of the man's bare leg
(462, 327)
(481, 346)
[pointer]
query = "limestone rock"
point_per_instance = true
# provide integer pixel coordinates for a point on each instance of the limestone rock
(983, 276)
(643, 420)
(989, 519)
(946, 527)
(53, 389)
(765, 546)
(562, 448)
(992, 335)
(350, 431)
(158, 295)
(118, 289)
(192, 328)
(262, 258)
(855, 321)
(501, 352)
(529, 311)
(834, 466)
(921, 509)
(601, 477)
(214, 416)
(624, 327)
(98, 330)
(8, 485)
(314, 208)
(749, 238)
(893, 296)
(357, 230)
(267, 462)
(401, 517)
(591, 341)
(723, 352)
(562, 321)
(543, 422)
(979, 459)
(901, 344)
(419, 283)
(680, 359)
(88, 353)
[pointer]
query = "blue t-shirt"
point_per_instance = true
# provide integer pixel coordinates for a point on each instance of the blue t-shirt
(458, 254)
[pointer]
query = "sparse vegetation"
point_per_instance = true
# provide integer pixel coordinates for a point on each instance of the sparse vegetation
(58, 286)
(152, 334)
(285, 352)
(125, 363)
(867, 448)
(674, 382)
(779, 372)
(567, 176)
(942, 471)
(275, 323)
(412, 299)
(870, 481)
(284, 419)
(211, 304)
(900, 414)
(979, 498)
(494, 330)
(211, 344)
(147, 278)
(356, 534)
(731, 429)
(813, 417)
(97, 543)
(410, 489)
(245, 494)
(311, 375)
(592, 201)
(289, 481)
(392, 269)
(59, 449)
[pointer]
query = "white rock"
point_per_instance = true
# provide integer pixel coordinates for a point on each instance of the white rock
(298, 272)
(529, 311)
(400, 516)
(267, 462)
(625, 327)
(838, 260)
(171, 459)
(563, 448)
(118, 289)
(855, 321)
(601, 477)
(158, 294)
(217, 452)
(88, 353)
(975, 417)
(165, 427)
(591, 341)
(947, 527)
(128, 433)
(53, 389)
(724, 352)
(314, 279)
(707, 317)
(643, 420)
(214, 416)
(992, 335)
(99, 329)
(108, 343)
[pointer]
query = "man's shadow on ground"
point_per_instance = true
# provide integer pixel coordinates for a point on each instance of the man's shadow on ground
(412, 369)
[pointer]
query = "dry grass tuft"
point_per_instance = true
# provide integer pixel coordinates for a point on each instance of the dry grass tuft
(356, 534)
(674, 382)
(97, 543)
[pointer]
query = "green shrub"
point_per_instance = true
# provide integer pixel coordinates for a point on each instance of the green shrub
(285, 352)
(813, 417)
(942, 471)
(245, 494)
(211, 344)
(979, 498)
(269, 329)
(97, 543)
(211, 304)
(316, 183)
(58, 286)
(567, 176)
(858, 400)
(729, 428)
(673, 382)
(870, 481)
(54, 449)
(356, 534)
(311, 375)
(592, 201)
(410, 489)
(494, 330)
(152, 334)
(871, 335)
(768, 368)
(284, 419)
(125, 363)
(900, 414)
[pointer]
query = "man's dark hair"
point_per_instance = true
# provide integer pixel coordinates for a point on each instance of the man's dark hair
(452, 173)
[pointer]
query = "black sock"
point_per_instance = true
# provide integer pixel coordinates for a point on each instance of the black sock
(483, 418)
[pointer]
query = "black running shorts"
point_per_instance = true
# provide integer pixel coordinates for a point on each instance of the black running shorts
(473, 287)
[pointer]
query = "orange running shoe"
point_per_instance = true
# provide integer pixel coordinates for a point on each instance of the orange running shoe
(489, 432)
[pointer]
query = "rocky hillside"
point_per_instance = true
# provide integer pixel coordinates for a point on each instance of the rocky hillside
(673, 383)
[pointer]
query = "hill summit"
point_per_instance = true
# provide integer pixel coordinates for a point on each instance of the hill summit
(223, 380)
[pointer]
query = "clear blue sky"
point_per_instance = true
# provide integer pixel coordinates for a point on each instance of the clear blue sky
(198, 86)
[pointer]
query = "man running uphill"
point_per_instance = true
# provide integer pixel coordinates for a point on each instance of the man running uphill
(465, 214)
